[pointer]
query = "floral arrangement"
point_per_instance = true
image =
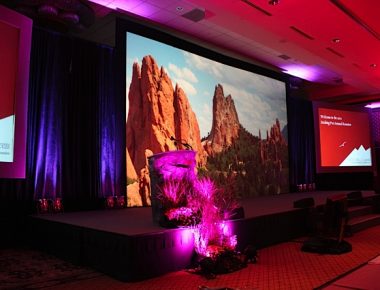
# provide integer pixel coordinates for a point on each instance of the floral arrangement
(200, 204)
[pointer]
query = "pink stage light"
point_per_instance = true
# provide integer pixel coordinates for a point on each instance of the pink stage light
(132, 6)
(120, 201)
(43, 206)
(374, 105)
(110, 202)
(57, 205)
(305, 72)
(106, 3)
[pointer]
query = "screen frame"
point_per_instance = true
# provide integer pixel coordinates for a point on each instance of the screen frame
(339, 169)
(17, 168)
(177, 39)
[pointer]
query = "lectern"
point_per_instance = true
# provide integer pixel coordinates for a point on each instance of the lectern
(169, 166)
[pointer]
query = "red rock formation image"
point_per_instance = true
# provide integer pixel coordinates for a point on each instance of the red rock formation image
(186, 124)
(157, 111)
(225, 123)
(130, 169)
(150, 117)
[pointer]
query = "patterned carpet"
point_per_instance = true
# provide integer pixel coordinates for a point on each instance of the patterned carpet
(29, 269)
(281, 266)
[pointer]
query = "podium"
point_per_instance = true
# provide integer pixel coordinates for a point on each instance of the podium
(168, 166)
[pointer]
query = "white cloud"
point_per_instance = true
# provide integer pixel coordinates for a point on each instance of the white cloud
(184, 77)
(205, 120)
(182, 73)
(258, 99)
(254, 113)
(204, 64)
(187, 87)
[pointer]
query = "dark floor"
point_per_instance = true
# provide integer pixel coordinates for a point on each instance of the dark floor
(283, 266)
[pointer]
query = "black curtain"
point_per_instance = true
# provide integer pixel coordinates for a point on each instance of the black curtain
(301, 142)
(72, 139)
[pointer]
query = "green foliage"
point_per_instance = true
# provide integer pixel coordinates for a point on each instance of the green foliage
(131, 181)
(242, 162)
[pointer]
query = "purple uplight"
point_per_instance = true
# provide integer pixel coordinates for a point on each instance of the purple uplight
(133, 6)
(309, 73)
(374, 105)
(47, 183)
(200, 242)
(107, 3)
(184, 241)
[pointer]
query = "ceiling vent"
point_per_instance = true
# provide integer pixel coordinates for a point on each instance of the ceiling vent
(284, 56)
(338, 80)
(195, 15)
(256, 7)
(335, 52)
(302, 33)
(355, 18)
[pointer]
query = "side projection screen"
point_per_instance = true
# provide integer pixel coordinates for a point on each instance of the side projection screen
(15, 31)
(234, 119)
(342, 138)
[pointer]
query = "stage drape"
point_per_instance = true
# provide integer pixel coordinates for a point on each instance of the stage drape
(72, 141)
(301, 142)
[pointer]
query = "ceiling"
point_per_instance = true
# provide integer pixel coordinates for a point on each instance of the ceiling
(333, 44)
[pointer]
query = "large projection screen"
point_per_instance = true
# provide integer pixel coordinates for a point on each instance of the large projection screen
(235, 119)
(343, 138)
(16, 32)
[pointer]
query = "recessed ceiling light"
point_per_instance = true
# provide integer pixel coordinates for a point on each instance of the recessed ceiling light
(373, 65)
(335, 40)
(273, 2)
(179, 8)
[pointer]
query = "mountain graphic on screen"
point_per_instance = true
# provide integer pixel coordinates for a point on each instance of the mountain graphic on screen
(358, 157)
(6, 138)
(158, 111)
(225, 123)
(230, 154)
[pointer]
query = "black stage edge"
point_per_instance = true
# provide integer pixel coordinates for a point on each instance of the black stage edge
(124, 257)
(127, 245)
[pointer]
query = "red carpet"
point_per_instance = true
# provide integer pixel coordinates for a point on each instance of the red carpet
(281, 266)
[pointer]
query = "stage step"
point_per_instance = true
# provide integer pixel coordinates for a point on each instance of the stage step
(357, 211)
(362, 222)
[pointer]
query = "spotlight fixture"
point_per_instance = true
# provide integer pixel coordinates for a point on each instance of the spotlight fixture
(373, 65)
(273, 2)
(335, 40)
(179, 8)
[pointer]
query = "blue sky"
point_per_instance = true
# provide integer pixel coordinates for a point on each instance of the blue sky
(258, 100)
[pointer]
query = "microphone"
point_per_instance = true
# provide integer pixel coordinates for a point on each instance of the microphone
(188, 146)
(182, 142)
(175, 142)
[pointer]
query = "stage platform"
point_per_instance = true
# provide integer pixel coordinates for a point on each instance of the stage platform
(127, 245)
